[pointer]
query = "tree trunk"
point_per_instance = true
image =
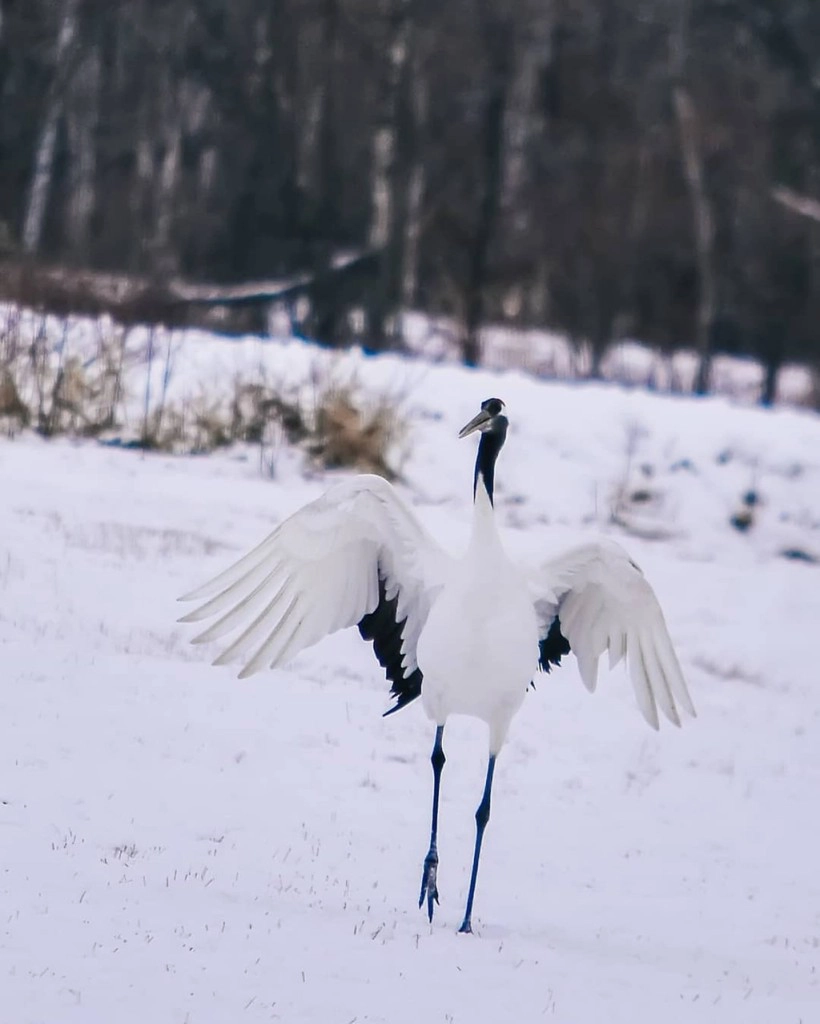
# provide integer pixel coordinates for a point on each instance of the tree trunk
(803, 205)
(772, 365)
(603, 325)
(704, 224)
(140, 191)
(390, 172)
(416, 185)
(521, 117)
(81, 120)
(704, 236)
(43, 170)
(166, 255)
(328, 157)
(165, 250)
(498, 42)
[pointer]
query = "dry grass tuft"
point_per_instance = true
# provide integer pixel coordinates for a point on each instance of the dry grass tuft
(57, 386)
(43, 384)
(14, 413)
(346, 435)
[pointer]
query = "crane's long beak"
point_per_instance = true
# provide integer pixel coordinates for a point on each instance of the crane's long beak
(476, 423)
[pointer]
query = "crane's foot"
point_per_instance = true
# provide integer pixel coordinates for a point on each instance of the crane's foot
(466, 928)
(428, 883)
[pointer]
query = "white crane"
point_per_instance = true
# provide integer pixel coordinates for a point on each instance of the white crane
(465, 634)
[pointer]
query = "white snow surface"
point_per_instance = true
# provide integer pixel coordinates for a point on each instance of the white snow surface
(181, 847)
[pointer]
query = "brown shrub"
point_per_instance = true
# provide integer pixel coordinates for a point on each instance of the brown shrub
(46, 383)
(346, 435)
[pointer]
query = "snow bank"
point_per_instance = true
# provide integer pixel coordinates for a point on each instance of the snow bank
(183, 847)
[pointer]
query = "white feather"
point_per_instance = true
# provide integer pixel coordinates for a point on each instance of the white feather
(318, 572)
(604, 603)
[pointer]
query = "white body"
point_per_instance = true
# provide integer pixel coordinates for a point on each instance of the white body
(479, 648)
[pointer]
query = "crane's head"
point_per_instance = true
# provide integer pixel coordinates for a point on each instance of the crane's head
(492, 423)
(491, 420)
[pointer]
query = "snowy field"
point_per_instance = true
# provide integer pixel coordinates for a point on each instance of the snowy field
(181, 847)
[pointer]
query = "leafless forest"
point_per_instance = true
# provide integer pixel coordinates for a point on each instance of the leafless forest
(628, 168)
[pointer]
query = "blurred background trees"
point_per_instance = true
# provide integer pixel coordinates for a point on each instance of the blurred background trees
(606, 169)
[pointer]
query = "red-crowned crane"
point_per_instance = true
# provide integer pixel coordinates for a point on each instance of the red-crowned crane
(465, 634)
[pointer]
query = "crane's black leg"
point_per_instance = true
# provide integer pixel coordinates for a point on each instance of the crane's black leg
(482, 816)
(428, 878)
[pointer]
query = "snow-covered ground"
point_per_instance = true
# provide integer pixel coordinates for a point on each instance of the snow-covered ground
(194, 371)
(178, 846)
(552, 355)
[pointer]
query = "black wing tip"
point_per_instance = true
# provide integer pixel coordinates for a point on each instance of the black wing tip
(383, 629)
(409, 694)
(553, 647)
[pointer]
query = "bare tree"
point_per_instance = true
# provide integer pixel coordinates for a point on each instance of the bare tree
(82, 115)
(390, 172)
(704, 230)
(803, 205)
(43, 169)
(497, 37)
(600, 169)
(703, 220)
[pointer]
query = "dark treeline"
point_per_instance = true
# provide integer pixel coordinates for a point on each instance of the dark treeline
(606, 168)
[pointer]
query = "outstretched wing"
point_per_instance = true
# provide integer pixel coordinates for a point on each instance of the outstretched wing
(357, 555)
(593, 599)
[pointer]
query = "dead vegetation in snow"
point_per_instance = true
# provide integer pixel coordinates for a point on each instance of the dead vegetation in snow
(117, 386)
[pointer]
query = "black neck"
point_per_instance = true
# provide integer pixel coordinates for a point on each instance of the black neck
(489, 446)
